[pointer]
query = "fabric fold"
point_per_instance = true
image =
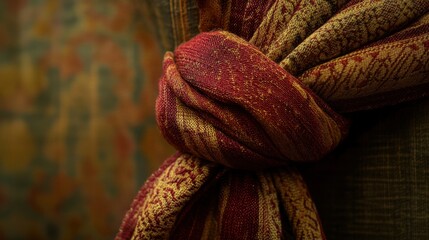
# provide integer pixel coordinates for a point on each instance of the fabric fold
(250, 116)
(244, 103)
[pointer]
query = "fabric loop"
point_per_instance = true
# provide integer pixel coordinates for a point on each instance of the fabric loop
(222, 100)
(258, 95)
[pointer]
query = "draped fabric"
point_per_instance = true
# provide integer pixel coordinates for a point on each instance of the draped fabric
(242, 105)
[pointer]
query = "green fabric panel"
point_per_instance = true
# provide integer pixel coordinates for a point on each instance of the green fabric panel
(376, 186)
(169, 23)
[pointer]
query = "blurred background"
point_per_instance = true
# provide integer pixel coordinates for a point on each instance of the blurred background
(78, 82)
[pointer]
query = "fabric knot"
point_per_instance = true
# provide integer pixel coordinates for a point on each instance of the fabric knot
(240, 100)
(223, 100)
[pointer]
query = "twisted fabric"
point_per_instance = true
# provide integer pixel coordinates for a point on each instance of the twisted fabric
(241, 105)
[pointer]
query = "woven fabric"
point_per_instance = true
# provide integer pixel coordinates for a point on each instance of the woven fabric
(376, 185)
(247, 99)
(173, 22)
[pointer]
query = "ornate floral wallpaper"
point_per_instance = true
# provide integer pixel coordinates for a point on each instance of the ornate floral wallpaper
(78, 81)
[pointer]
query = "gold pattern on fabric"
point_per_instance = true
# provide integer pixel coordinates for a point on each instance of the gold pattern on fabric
(352, 28)
(186, 118)
(269, 211)
(287, 25)
(253, 108)
(171, 191)
(300, 208)
(393, 64)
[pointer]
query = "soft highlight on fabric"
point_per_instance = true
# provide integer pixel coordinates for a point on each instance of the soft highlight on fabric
(244, 103)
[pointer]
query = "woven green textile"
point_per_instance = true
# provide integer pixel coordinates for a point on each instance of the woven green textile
(377, 185)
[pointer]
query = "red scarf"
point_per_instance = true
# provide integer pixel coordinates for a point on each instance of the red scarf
(242, 105)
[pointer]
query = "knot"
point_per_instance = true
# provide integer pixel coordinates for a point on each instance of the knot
(223, 100)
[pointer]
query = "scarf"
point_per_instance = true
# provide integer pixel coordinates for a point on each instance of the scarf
(259, 89)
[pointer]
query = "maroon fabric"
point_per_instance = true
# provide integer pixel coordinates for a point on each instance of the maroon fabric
(255, 108)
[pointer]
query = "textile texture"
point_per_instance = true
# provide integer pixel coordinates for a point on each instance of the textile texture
(242, 106)
(78, 82)
(376, 185)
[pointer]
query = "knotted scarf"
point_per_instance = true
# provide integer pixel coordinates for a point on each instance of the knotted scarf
(245, 103)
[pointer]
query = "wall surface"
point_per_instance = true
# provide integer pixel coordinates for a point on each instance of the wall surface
(78, 82)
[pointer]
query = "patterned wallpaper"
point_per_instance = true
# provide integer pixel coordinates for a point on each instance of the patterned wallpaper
(78, 81)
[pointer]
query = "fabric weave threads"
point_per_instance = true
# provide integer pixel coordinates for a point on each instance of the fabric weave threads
(217, 108)
(223, 100)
